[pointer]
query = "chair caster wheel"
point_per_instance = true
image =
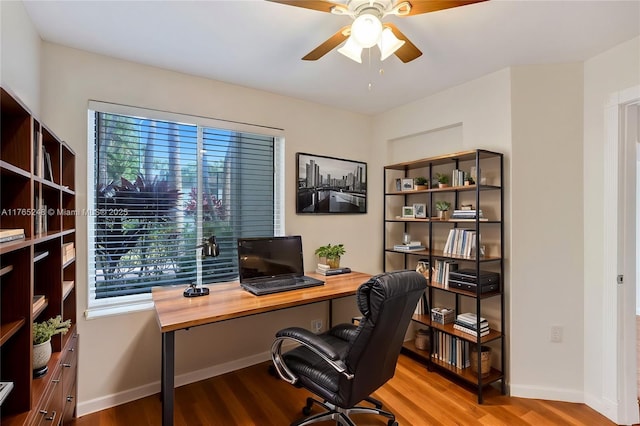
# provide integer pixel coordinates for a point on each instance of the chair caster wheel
(392, 423)
(306, 410)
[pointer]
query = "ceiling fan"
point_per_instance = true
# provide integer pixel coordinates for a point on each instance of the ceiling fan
(367, 28)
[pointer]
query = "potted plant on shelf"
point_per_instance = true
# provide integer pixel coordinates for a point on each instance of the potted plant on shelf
(421, 183)
(443, 180)
(468, 180)
(42, 333)
(443, 209)
(330, 254)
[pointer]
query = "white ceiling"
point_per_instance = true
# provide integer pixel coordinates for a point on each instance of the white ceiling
(259, 44)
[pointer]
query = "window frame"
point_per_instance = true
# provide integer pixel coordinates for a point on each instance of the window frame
(138, 302)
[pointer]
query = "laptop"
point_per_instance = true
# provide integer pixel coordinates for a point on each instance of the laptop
(272, 264)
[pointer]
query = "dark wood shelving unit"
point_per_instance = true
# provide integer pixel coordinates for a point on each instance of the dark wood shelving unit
(488, 196)
(32, 266)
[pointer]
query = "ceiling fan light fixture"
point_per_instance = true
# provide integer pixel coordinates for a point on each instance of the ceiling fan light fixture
(388, 43)
(366, 30)
(352, 50)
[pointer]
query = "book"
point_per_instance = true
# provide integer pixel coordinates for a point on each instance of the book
(335, 271)
(38, 303)
(470, 331)
(5, 388)
(483, 326)
(7, 235)
(408, 247)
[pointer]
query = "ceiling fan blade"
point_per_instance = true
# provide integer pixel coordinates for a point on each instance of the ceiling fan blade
(321, 5)
(426, 6)
(408, 52)
(329, 45)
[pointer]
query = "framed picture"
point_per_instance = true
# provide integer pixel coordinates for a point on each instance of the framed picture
(407, 212)
(407, 184)
(420, 210)
(326, 185)
(398, 184)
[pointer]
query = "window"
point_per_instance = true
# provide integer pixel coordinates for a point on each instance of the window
(161, 184)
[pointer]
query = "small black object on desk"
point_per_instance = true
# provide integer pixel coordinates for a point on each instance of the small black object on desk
(209, 248)
(193, 291)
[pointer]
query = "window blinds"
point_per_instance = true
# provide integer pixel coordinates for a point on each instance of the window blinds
(162, 186)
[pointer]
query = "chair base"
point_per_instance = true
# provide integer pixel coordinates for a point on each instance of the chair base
(341, 415)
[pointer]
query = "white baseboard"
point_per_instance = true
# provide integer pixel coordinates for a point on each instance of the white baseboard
(607, 408)
(554, 394)
(108, 401)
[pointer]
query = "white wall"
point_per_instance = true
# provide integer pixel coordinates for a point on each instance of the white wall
(546, 267)
(20, 55)
(123, 353)
(610, 72)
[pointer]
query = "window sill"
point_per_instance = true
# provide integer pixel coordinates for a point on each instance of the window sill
(99, 310)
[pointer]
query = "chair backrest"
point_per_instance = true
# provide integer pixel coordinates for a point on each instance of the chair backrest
(387, 303)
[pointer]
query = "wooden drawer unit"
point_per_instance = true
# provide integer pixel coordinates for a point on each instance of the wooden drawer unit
(58, 404)
(49, 412)
(69, 367)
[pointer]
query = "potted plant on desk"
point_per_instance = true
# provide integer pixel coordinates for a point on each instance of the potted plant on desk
(42, 333)
(330, 254)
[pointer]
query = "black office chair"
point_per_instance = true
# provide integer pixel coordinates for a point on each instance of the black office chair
(345, 365)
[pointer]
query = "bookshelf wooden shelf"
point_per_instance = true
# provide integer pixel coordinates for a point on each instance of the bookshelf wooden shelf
(9, 329)
(37, 180)
(484, 224)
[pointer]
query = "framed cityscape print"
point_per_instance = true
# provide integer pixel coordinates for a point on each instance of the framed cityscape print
(327, 185)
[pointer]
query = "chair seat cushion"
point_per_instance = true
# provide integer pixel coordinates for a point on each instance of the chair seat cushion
(310, 367)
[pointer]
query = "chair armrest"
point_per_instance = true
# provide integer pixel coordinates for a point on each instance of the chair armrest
(311, 342)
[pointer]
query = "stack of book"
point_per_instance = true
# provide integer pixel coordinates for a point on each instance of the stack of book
(68, 252)
(326, 270)
(411, 246)
(469, 215)
(7, 235)
(468, 323)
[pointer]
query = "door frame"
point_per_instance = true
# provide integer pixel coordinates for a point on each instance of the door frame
(619, 366)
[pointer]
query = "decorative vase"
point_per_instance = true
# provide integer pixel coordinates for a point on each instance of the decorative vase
(422, 340)
(443, 214)
(41, 355)
(333, 262)
(443, 185)
(485, 360)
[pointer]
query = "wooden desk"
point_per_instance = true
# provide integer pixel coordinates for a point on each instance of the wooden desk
(225, 302)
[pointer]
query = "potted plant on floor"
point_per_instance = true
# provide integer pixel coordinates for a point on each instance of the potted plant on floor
(42, 333)
(330, 254)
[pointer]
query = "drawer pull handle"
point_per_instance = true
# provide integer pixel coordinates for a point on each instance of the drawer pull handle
(51, 418)
(66, 365)
(72, 349)
(43, 412)
(69, 398)
(55, 381)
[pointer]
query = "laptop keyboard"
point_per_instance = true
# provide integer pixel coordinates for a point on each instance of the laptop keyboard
(280, 284)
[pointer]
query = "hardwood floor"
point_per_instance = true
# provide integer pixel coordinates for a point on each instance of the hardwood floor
(252, 396)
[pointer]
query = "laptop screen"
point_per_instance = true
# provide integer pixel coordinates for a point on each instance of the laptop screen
(268, 257)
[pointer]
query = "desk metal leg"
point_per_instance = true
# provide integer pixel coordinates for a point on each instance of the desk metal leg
(167, 377)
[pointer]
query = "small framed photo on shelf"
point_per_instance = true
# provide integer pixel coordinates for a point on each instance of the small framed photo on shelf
(407, 184)
(407, 212)
(420, 211)
(398, 184)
